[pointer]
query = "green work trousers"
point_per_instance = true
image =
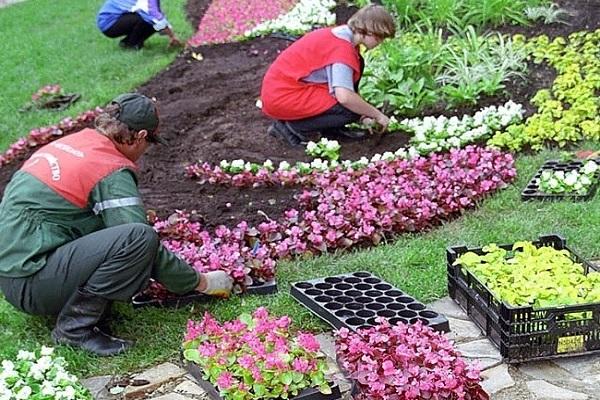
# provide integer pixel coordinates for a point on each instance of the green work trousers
(114, 263)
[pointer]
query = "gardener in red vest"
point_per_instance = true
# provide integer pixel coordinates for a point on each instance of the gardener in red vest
(312, 85)
(74, 233)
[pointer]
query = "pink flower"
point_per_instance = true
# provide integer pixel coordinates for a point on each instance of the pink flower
(225, 380)
(308, 342)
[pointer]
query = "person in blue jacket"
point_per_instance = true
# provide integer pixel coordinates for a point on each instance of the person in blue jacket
(136, 20)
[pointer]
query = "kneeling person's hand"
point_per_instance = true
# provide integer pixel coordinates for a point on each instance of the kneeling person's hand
(216, 283)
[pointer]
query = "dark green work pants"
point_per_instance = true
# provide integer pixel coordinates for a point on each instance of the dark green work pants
(113, 263)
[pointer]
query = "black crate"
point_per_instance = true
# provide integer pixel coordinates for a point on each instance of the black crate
(532, 190)
(143, 300)
(355, 300)
(306, 394)
(522, 333)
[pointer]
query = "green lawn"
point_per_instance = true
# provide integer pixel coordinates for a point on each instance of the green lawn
(65, 47)
(45, 42)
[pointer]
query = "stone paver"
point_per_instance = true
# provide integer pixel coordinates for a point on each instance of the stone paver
(543, 390)
(156, 377)
(497, 378)
(570, 378)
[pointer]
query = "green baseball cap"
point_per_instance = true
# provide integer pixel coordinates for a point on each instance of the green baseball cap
(139, 112)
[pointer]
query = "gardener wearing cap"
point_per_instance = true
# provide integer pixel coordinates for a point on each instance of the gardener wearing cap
(74, 233)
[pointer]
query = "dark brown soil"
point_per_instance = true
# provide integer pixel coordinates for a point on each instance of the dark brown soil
(208, 113)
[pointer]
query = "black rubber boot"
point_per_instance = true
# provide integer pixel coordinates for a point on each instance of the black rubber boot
(77, 322)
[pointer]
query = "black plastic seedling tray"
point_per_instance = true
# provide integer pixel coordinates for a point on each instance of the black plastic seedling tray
(522, 333)
(143, 300)
(356, 300)
(532, 190)
(306, 394)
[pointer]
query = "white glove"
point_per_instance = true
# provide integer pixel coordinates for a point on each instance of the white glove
(218, 283)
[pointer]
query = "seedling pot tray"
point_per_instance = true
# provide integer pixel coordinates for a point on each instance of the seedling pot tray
(143, 300)
(532, 190)
(522, 333)
(356, 300)
(306, 394)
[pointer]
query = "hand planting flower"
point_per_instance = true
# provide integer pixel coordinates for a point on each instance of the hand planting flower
(39, 375)
(255, 356)
(405, 362)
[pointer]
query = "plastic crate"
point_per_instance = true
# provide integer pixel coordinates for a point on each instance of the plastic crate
(356, 300)
(306, 394)
(143, 300)
(532, 190)
(522, 333)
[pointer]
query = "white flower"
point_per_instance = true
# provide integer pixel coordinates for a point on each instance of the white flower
(284, 166)
(584, 180)
(224, 164)
(8, 365)
(68, 393)
(25, 355)
(23, 393)
(258, 103)
(376, 157)
(553, 183)
(237, 164)
(46, 351)
(48, 388)
(268, 164)
(332, 145)
(311, 146)
(589, 168)
(571, 178)
(388, 156)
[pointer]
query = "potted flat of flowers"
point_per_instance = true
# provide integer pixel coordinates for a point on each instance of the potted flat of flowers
(405, 362)
(256, 357)
(39, 375)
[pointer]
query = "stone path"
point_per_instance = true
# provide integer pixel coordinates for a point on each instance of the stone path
(574, 378)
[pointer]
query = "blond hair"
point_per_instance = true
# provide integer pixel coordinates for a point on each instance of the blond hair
(107, 124)
(373, 20)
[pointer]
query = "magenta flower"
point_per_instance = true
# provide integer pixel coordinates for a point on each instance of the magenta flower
(225, 380)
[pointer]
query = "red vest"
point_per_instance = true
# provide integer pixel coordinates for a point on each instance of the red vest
(74, 164)
(284, 96)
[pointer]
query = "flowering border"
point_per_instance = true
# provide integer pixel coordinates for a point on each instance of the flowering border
(431, 134)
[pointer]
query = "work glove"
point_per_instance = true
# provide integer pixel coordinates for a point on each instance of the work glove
(218, 283)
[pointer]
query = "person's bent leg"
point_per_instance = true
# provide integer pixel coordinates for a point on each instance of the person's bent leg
(331, 121)
(134, 28)
(141, 31)
(82, 277)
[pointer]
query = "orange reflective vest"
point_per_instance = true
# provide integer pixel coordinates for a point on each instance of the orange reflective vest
(285, 96)
(73, 165)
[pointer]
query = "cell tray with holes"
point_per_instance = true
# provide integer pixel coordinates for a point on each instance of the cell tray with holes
(356, 300)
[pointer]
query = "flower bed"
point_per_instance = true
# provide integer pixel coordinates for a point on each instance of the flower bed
(406, 362)
(41, 136)
(255, 357)
(225, 20)
(431, 135)
(341, 209)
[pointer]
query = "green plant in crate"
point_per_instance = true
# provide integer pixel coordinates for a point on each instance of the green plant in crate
(533, 276)
(576, 181)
